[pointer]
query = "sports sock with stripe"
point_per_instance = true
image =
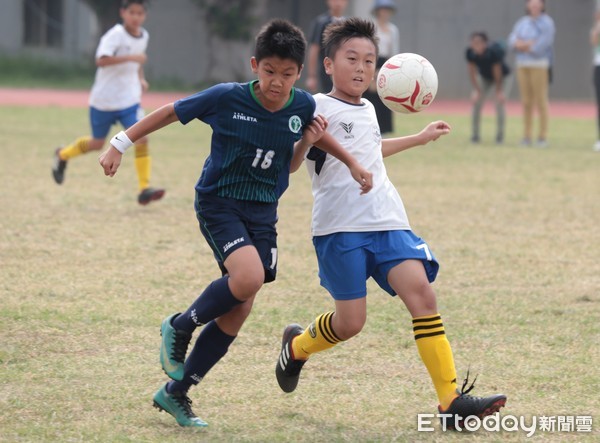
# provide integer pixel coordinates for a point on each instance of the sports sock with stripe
(143, 165)
(316, 338)
(435, 351)
(78, 147)
(210, 347)
(216, 300)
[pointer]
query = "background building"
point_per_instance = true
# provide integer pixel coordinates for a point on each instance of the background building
(183, 47)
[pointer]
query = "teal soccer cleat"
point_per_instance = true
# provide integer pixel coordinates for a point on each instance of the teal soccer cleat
(173, 348)
(179, 406)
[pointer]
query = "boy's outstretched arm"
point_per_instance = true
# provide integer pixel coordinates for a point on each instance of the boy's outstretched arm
(313, 132)
(431, 132)
(111, 158)
(330, 145)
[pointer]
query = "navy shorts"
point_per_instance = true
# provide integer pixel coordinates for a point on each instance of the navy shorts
(228, 224)
(101, 121)
(348, 259)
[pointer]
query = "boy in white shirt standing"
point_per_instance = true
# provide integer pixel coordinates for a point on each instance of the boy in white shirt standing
(361, 236)
(116, 96)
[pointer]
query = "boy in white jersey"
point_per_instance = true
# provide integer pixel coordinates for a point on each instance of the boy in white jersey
(357, 237)
(116, 95)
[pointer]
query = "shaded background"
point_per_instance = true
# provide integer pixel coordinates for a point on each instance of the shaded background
(199, 42)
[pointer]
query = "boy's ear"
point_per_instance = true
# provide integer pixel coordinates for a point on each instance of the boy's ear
(328, 63)
(254, 65)
(300, 72)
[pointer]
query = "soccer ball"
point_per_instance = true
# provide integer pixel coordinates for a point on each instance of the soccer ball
(407, 83)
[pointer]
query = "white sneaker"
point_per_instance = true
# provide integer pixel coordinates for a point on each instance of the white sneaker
(596, 147)
(541, 143)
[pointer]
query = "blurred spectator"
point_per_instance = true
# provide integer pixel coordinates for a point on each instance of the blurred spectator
(487, 70)
(389, 44)
(595, 41)
(318, 80)
(532, 38)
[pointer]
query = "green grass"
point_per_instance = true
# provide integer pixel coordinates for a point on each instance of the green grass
(86, 277)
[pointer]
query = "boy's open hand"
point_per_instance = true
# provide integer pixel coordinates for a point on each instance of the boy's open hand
(363, 177)
(110, 161)
(435, 130)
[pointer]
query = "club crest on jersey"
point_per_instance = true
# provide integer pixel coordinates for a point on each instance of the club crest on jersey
(242, 116)
(295, 124)
(348, 128)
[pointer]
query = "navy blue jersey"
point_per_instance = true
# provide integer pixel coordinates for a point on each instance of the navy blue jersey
(251, 147)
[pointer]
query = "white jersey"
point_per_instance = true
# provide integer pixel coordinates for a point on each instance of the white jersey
(118, 86)
(338, 205)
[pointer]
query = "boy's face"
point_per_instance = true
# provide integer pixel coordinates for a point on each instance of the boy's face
(276, 78)
(352, 68)
(478, 45)
(133, 17)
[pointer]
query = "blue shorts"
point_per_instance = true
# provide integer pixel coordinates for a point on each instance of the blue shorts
(348, 259)
(101, 121)
(228, 224)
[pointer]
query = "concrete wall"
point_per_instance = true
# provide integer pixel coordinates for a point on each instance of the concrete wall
(181, 48)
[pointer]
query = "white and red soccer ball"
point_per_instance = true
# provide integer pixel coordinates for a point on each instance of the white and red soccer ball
(407, 83)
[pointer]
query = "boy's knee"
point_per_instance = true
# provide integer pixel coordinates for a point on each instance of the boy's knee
(349, 328)
(246, 283)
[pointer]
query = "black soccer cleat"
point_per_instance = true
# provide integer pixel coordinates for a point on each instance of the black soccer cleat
(465, 406)
(150, 194)
(58, 168)
(288, 370)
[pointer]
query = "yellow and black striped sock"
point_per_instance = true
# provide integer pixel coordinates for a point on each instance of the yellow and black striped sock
(143, 165)
(78, 147)
(316, 338)
(435, 351)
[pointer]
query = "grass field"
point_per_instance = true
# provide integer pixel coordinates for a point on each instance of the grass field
(86, 277)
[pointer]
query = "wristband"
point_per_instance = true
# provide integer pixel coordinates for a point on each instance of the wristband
(121, 142)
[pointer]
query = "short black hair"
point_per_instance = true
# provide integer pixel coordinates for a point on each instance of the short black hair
(280, 38)
(127, 3)
(480, 34)
(337, 33)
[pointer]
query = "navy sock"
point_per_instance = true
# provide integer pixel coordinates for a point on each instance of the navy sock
(215, 301)
(210, 347)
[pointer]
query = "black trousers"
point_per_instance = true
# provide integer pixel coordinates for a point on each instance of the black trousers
(597, 87)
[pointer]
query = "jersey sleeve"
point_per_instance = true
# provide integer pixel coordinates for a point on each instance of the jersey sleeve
(311, 108)
(202, 105)
(109, 43)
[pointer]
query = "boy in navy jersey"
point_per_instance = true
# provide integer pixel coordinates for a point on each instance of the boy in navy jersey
(255, 126)
(369, 237)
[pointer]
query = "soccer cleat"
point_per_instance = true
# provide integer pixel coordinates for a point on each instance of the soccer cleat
(150, 194)
(465, 406)
(179, 406)
(287, 370)
(596, 147)
(173, 348)
(58, 168)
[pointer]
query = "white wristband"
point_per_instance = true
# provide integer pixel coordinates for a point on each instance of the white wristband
(121, 142)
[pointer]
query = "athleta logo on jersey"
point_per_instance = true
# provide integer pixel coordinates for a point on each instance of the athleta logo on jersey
(231, 244)
(348, 128)
(241, 116)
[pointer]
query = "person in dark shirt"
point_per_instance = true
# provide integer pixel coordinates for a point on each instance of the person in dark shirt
(487, 70)
(318, 80)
